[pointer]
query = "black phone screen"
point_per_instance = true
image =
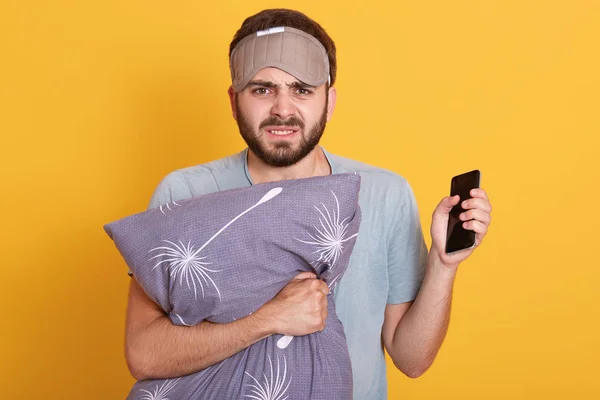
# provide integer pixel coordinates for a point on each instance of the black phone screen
(459, 238)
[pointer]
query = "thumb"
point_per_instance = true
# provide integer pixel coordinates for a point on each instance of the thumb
(305, 275)
(446, 205)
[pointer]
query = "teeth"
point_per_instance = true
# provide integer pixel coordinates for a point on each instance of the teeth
(281, 132)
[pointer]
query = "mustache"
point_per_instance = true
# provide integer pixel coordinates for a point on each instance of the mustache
(274, 121)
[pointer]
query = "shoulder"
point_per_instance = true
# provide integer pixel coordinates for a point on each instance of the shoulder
(387, 202)
(373, 179)
(200, 179)
(209, 171)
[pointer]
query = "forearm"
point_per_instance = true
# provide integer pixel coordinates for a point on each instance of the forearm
(421, 331)
(156, 348)
(164, 350)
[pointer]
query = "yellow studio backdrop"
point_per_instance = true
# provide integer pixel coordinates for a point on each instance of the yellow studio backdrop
(101, 99)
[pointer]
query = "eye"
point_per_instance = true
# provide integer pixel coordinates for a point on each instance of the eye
(303, 91)
(261, 91)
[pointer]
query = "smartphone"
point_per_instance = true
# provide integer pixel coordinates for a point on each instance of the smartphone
(459, 238)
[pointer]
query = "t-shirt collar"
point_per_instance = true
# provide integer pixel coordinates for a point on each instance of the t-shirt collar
(247, 171)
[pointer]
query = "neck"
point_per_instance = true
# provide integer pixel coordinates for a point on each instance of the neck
(314, 164)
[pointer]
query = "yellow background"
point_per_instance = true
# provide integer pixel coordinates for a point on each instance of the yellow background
(100, 99)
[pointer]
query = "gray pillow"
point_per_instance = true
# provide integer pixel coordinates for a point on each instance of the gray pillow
(221, 256)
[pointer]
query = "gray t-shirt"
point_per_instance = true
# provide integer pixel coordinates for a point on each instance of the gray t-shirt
(386, 266)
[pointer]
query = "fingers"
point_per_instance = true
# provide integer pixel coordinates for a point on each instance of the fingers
(479, 199)
(309, 280)
(320, 286)
(479, 193)
(476, 226)
(477, 202)
(305, 275)
(477, 217)
(476, 214)
(479, 228)
(324, 314)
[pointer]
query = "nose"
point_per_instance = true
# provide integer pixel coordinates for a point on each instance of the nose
(283, 106)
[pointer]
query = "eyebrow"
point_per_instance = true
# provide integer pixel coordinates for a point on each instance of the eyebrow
(300, 85)
(269, 84)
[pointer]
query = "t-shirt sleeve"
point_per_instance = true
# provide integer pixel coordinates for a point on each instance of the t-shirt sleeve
(407, 252)
(173, 187)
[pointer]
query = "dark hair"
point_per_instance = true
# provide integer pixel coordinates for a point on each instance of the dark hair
(295, 19)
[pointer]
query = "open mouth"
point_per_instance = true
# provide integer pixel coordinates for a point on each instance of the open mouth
(281, 131)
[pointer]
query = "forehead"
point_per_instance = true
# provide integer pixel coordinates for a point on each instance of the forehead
(275, 75)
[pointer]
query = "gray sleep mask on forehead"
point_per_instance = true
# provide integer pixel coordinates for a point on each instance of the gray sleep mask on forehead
(289, 49)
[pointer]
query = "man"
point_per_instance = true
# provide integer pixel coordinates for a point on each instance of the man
(283, 67)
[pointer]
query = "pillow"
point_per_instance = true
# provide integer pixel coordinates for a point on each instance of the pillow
(221, 256)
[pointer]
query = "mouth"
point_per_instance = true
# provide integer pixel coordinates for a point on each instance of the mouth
(281, 131)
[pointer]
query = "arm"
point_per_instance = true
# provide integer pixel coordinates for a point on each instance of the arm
(413, 332)
(155, 348)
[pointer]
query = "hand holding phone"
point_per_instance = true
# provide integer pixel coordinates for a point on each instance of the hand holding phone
(459, 238)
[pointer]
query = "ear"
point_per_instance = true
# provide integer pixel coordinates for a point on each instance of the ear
(332, 94)
(232, 95)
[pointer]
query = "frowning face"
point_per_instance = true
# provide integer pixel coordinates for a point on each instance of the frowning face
(280, 118)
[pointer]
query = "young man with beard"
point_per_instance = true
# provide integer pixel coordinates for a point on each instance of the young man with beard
(394, 289)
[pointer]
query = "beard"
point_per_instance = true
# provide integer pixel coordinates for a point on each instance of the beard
(284, 153)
